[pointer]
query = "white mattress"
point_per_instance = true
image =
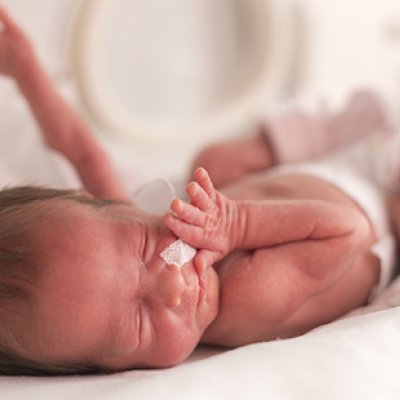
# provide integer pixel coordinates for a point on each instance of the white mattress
(358, 358)
(355, 358)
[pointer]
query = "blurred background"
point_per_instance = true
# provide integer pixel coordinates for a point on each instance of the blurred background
(157, 79)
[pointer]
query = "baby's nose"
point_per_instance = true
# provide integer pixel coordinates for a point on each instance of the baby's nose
(169, 287)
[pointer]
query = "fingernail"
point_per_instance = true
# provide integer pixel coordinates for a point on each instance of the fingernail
(178, 204)
(191, 187)
(202, 171)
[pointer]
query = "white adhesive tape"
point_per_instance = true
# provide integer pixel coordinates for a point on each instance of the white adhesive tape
(178, 253)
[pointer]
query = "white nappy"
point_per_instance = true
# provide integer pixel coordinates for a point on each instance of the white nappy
(351, 176)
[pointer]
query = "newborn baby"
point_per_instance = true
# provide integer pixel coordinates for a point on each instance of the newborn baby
(83, 287)
(293, 253)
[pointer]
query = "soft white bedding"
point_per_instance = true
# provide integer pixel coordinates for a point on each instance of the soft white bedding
(355, 358)
(358, 358)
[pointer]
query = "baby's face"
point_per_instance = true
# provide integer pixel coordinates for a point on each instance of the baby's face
(108, 298)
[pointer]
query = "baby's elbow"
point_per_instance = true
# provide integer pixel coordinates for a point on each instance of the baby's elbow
(327, 259)
(344, 250)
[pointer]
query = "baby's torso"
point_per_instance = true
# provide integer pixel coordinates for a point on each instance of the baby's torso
(265, 187)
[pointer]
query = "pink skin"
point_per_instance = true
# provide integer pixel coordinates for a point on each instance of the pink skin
(99, 286)
(15, 48)
(242, 156)
(108, 298)
(207, 222)
(62, 128)
(105, 282)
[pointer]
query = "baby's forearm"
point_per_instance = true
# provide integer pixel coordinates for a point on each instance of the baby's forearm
(268, 223)
(65, 132)
(216, 224)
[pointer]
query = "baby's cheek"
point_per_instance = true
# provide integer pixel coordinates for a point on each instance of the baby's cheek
(173, 350)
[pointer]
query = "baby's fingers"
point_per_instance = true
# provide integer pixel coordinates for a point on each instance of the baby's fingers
(189, 233)
(188, 212)
(198, 196)
(204, 180)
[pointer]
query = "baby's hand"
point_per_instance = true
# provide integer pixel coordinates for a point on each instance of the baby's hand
(15, 48)
(207, 223)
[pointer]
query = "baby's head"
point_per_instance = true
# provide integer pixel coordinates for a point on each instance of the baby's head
(83, 289)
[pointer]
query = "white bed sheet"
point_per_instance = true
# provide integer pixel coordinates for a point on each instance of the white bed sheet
(355, 358)
(358, 358)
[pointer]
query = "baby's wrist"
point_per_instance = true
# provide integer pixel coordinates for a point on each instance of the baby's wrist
(237, 225)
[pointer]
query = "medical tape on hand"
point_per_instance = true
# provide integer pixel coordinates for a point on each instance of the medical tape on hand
(178, 253)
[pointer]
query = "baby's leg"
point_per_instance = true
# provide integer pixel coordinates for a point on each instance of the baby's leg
(297, 136)
(61, 126)
(231, 160)
(65, 132)
(293, 137)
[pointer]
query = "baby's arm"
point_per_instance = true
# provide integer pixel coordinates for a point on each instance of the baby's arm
(62, 128)
(308, 261)
(216, 224)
